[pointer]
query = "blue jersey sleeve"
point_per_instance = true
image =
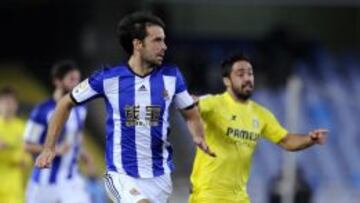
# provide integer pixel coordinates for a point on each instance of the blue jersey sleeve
(36, 126)
(183, 100)
(38, 115)
(180, 82)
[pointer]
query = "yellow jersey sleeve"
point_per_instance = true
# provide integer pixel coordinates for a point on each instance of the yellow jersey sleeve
(272, 129)
(206, 105)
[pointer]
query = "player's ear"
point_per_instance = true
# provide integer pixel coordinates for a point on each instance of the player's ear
(56, 82)
(137, 44)
(226, 81)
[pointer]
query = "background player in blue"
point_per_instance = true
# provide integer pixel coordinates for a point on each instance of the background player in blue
(137, 97)
(62, 182)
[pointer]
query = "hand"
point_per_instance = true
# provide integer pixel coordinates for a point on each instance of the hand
(3, 145)
(62, 149)
(318, 136)
(45, 158)
(200, 142)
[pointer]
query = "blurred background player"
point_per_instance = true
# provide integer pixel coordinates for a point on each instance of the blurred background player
(62, 182)
(233, 126)
(138, 95)
(12, 156)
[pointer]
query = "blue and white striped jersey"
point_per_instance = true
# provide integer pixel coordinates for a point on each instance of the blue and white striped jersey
(63, 167)
(137, 123)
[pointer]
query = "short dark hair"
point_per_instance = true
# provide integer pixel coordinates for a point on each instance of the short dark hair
(7, 91)
(61, 68)
(133, 26)
(226, 65)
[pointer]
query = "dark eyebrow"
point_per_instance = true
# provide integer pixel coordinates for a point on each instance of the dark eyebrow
(244, 69)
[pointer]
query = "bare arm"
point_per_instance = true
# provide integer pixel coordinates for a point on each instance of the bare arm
(36, 149)
(295, 142)
(57, 123)
(33, 148)
(196, 128)
(3, 145)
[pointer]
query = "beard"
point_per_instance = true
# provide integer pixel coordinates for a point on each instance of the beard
(152, 59)
(155, 62)
(243, 95)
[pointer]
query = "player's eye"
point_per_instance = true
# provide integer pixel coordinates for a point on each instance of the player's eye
(159, 39)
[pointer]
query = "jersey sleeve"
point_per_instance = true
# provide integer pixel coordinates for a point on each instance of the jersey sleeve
(35, 127)
(206, 104)
(88, 89)
(182, 99)
(272, 130)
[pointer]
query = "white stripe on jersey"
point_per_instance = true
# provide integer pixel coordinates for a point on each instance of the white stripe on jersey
(143, 132)
(169, 85)
(45, 176)
(111, 90)
(33, 131)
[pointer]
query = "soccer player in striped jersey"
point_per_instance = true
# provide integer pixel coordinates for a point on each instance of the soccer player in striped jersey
(62, 182)
(233, 125)
(137, 95)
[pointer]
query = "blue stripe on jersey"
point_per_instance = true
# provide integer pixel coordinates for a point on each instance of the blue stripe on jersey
(43, 136)
(128, 146)
(36, 174)
(73, 162)
(54, 169)
(157, 98)
(170, 160)
(57, 160)
(109, 137)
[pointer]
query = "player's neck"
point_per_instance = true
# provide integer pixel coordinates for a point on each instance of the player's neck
(236, 98)
(138, 66)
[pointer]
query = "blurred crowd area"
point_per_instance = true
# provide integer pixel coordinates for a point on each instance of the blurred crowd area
(315, 42)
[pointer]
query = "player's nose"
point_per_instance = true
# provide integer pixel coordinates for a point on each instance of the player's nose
(164, 46)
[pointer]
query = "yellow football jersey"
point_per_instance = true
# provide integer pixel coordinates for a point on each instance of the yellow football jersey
(232, 130)
(11, 173)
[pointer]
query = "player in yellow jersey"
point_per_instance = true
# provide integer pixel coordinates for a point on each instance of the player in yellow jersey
(233, 125)
(12, 157)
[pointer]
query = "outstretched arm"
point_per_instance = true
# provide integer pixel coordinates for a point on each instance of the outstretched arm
(295, 142)
(196, 128)
(36, 149)
(57, 122)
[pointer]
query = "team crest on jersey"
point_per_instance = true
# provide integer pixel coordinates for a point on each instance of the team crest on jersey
(83, 85)
(166, 94)
(255, 123)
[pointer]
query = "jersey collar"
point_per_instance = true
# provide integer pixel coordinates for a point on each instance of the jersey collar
(141, 76)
